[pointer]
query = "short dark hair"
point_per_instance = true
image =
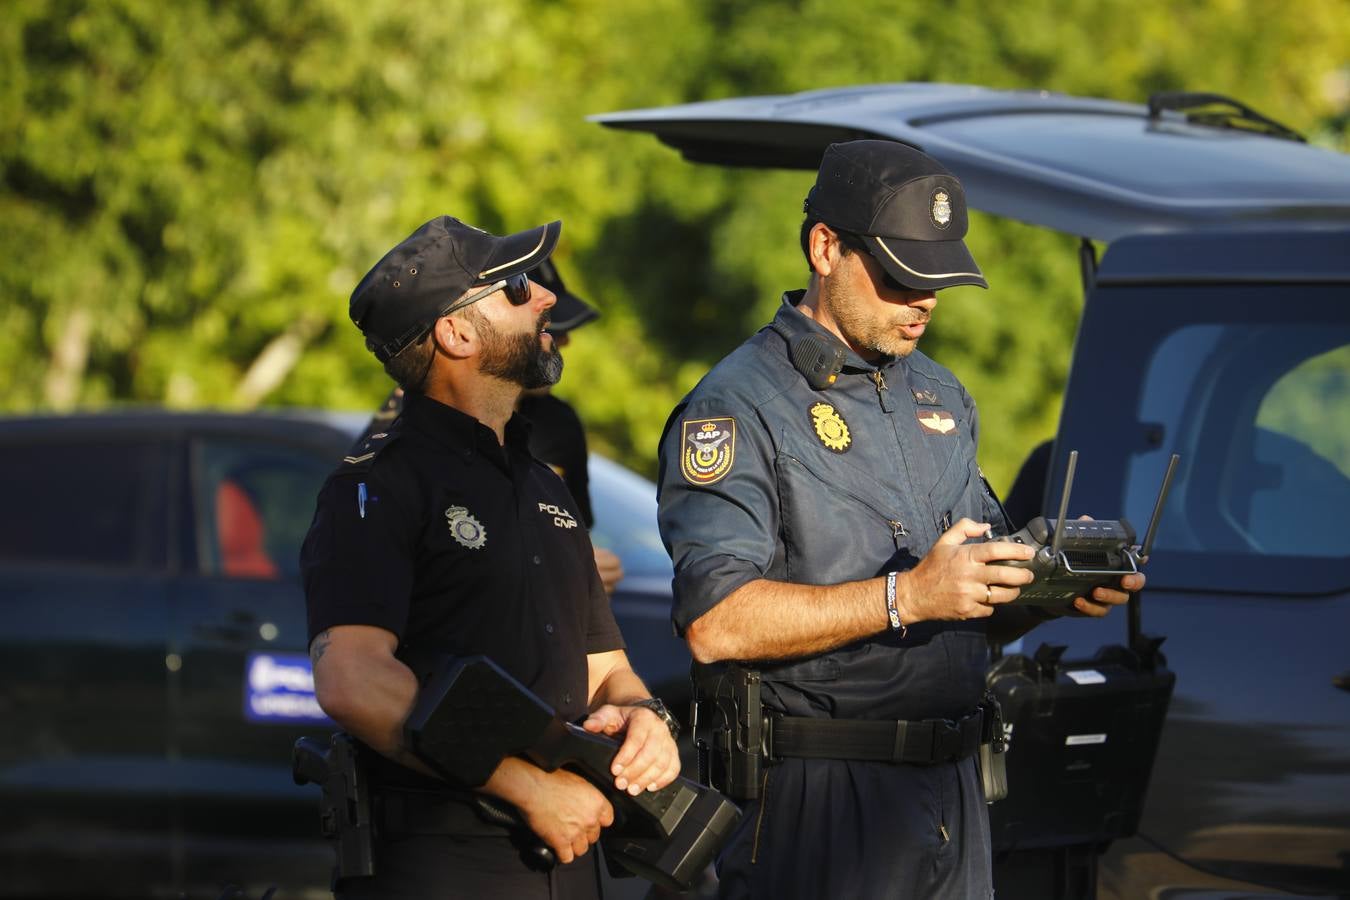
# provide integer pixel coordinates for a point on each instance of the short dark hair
(849, 241)
(409, 367)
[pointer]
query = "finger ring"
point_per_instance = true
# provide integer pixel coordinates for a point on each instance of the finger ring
(988, 593)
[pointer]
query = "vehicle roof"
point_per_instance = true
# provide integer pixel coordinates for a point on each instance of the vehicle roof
(1096, 168)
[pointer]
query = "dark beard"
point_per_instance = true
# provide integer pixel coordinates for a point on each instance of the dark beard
(520, 359)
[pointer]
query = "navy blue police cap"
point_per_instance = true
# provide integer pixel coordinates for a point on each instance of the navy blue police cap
(910, 211)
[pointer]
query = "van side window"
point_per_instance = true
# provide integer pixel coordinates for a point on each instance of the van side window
(84, 501)
(1264, 434)
(1302, 446)
(253, 505)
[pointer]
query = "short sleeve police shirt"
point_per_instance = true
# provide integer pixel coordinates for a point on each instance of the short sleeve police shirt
(459, 545)
(764, 477)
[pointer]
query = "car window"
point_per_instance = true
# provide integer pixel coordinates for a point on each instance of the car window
(1261, 416)
(83, 501)
(253, 505)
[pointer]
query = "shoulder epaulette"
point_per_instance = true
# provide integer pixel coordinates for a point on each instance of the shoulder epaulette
(363, 453)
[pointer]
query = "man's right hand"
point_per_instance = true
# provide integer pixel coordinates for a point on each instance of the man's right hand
(566, 812)
(956, 580)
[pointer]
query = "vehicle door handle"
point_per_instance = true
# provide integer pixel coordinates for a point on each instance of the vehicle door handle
(1342, 681)
(227, 634)
(240, 627)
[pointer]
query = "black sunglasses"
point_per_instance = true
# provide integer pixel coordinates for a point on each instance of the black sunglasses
(517, 289)
(856, 243)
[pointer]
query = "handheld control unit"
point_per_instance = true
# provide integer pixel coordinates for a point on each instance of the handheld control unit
(1073, 557)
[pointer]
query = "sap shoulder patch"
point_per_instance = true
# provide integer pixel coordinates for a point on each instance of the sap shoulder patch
(707, 449)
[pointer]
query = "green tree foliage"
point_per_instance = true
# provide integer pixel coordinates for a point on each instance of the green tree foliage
(191, 190)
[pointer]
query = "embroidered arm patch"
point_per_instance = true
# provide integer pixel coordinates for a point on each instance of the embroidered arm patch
(707, 449)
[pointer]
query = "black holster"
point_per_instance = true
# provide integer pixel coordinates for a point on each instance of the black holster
(729, 728)
(345, 812)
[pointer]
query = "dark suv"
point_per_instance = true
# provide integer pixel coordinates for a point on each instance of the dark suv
(153, 667)
(1216, 326)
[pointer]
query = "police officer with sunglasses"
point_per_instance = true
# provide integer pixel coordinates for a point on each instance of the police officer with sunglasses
(444, 536)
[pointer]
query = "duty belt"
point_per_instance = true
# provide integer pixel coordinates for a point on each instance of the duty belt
(411, 811)
(923, 742)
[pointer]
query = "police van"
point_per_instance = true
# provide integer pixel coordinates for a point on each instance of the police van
(1216, 326)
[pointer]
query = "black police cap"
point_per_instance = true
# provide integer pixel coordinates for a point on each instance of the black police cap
(433, 266)
(570, 311)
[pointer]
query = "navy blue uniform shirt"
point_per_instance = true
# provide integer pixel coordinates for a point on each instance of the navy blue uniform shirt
(459, 545)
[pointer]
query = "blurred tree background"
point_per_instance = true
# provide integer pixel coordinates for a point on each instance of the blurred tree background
(190, 190)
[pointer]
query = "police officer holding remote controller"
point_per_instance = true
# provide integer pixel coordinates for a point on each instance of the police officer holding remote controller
(821, 501)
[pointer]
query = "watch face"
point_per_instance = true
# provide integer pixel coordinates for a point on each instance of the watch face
(656, 706)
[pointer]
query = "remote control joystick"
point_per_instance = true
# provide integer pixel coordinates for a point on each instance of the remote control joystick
(1072, 558)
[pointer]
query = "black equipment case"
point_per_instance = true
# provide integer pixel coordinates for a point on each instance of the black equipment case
(1082, 737)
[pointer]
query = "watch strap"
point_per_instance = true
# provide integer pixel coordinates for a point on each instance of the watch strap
(656, 706)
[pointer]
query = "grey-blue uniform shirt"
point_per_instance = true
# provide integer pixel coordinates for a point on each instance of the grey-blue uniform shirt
(764, 477)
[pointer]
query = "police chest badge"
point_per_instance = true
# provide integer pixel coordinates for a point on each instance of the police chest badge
(830, 427)
(937, 421)
(465, 529)
(941, 210)
(708, 447)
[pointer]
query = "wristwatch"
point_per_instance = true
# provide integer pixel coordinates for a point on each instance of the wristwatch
(659, 708)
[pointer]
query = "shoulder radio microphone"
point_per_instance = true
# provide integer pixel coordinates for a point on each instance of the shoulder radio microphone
(818, 357)
(1074, 557)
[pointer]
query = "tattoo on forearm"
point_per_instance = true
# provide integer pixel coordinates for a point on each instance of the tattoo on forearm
(319, 647)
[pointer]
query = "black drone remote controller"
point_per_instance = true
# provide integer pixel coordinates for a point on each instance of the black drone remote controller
(1074, 557)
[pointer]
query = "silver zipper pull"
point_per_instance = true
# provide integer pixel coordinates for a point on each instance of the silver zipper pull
(897, 530)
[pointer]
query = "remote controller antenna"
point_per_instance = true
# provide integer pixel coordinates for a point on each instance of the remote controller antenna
(1152, 532)
(1063, 505)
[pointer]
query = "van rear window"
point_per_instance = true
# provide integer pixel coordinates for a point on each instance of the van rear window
(87, 502)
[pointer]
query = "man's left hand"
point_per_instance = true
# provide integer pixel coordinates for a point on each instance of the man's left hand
(648, 758)
(1103, 598)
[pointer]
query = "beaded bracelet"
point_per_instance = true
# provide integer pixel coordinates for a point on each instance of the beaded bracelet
(891, 612)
